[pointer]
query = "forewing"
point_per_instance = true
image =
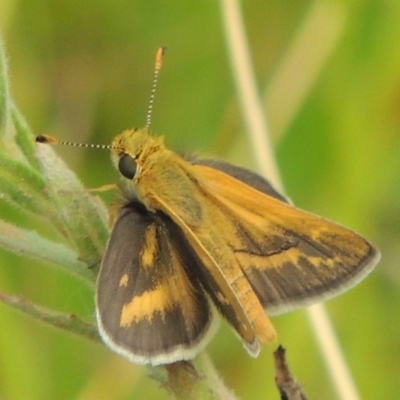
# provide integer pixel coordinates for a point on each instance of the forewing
(242, 174)
(218, 269)
(149, 307)
(291, 258)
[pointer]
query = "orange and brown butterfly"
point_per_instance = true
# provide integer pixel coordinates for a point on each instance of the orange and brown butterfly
(195, 237)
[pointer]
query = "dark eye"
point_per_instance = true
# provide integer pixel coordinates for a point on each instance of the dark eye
(127, 166)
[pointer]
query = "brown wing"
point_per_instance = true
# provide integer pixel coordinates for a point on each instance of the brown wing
(290, 257)
(150, 307)
(220, 274)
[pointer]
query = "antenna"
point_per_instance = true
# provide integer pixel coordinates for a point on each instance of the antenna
(157, 67)
(52, 140)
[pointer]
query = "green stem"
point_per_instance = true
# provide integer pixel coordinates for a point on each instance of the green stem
(196, 379)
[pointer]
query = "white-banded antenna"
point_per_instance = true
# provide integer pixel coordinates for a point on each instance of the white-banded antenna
(158, 65)
(52, 140)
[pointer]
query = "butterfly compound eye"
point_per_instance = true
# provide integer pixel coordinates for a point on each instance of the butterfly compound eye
(127, 166)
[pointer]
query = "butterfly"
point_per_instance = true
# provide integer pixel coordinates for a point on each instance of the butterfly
(192, 238)
(195, 236)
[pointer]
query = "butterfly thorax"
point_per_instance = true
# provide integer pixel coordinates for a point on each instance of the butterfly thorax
(161, 176)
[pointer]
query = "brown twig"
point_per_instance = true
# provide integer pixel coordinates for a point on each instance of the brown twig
(288, 386)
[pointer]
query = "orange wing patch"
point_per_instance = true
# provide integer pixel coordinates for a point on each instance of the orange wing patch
(124, 280)
(290, 257)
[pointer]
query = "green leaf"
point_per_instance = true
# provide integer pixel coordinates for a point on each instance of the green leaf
(82, 215)
(24, 137)
(23, 187)
(4, 92)
(31, 244)
(67, 322)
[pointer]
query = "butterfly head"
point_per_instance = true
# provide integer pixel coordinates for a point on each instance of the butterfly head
(132, 149)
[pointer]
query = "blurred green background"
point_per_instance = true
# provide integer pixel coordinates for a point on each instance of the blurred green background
(329, 74)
